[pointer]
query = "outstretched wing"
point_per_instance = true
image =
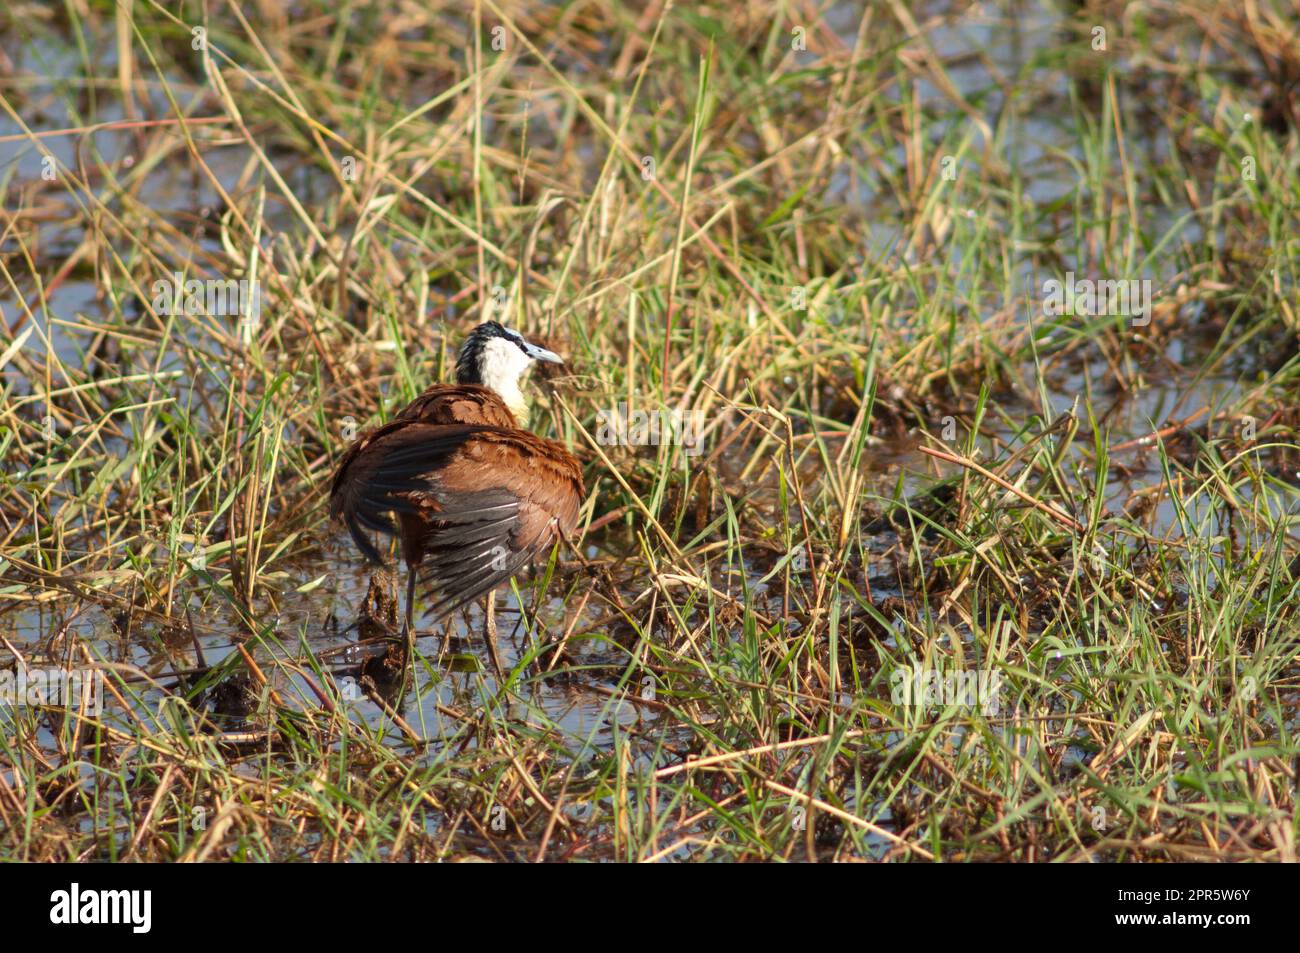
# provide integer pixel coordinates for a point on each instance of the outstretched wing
(504, 499)
(473, 504)
(386, 472)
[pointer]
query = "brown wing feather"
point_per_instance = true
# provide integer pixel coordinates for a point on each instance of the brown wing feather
(542, 473)
(475, 503)
(506, 497)
(388, 470)
(449, 404)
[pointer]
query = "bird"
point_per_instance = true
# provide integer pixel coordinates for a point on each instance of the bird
(471, 496)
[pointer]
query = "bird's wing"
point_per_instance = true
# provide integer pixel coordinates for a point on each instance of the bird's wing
(385, 472)
(475, 503)
(504, 498)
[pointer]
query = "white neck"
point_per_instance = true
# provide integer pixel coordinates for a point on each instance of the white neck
(502, 368)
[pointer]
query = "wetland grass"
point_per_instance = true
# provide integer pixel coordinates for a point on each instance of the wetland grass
(942, 574)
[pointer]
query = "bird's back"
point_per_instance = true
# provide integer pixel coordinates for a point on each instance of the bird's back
(447, 404)
(459, 404)
(475, 496)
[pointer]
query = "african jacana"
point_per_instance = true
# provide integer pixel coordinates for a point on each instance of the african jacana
(475, 496)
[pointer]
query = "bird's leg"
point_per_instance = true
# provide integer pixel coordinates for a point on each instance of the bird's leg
(409, 629)
(490, 611)
(408, 626)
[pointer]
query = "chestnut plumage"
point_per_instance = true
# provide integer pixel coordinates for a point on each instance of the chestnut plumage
(471, 496)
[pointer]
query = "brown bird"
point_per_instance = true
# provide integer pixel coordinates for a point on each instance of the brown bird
(471, 496)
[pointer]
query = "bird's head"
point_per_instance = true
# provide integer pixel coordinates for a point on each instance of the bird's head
(498, 357)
